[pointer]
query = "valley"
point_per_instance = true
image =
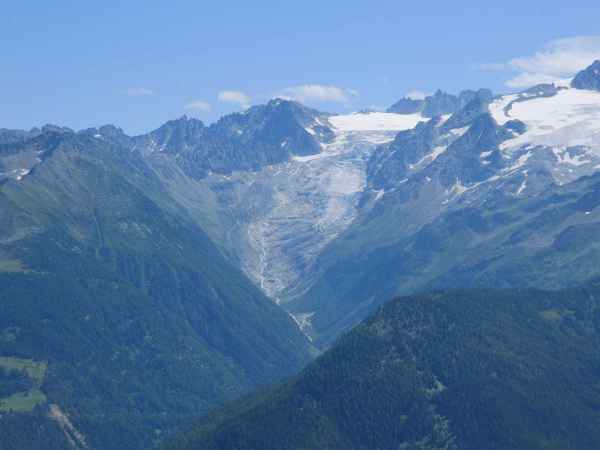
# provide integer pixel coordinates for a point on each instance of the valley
(287, 213)
(148, 280)
(299, 225)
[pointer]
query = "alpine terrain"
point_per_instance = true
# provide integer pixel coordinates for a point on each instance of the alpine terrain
(147, 280)
(422, 374)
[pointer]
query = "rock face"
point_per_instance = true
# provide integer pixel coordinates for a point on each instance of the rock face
(440, 103)
(407, 105)
(362, 192)
(287, 213)
(261, 136)
(588, 78)
(470, 200)
(300, 199)
(106, 278)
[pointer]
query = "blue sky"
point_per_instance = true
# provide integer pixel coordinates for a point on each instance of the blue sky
(137, 64)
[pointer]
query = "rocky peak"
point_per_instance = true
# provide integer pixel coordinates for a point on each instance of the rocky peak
(440, 103)
(588, 78)
(466, 115)
(407, 105)
(109, 133)
(176, 135)
(13, 136)
(49, 128)
(540, 90)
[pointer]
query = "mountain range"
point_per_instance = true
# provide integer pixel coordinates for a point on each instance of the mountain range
(146, 280)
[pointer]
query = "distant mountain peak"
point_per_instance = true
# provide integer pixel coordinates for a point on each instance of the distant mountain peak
(279, 101)
(439, 103)
(185, 119)
(56, 129)
(589, 78)
(278, 104)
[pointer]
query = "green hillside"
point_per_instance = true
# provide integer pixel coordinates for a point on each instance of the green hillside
(470, 370)
(140, 321)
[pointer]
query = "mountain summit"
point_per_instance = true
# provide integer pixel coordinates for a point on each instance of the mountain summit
(588, 78)
(440, 103)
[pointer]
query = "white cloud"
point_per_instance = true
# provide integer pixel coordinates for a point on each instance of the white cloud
(318, 93)
(140, 92)
(234, 97)
(557, 60)
(416, 95)
(561, 57)
(526, 79)
(198, 105)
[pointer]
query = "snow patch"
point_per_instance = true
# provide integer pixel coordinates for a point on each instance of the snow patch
(458, 132)
(458, 188)
(309, 157)
(379, 194)
(376, 121)
(498, 108)
(303, 320)
(429, 158)
(569, 118)
(523, 184)
(20, 173)
(564, 157)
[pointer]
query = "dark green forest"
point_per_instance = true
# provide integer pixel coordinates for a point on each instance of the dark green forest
(471, 369)
(132, 321)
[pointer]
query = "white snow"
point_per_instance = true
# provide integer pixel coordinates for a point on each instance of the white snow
(345, 179)
(309, 157)
(570, 118)
(444, 118)
(458, 188)
(458, 132)
(437, 151)
(564, 157)
(523, 184)
(518, 164)
(376, 121)
(429, 158)
(20, 173)
(310, 201)
(303, 320)
(497, 108)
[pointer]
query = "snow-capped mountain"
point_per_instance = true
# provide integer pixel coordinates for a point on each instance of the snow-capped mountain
(453, 199)
(286, 213)
(376, 179)
(313, 205)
